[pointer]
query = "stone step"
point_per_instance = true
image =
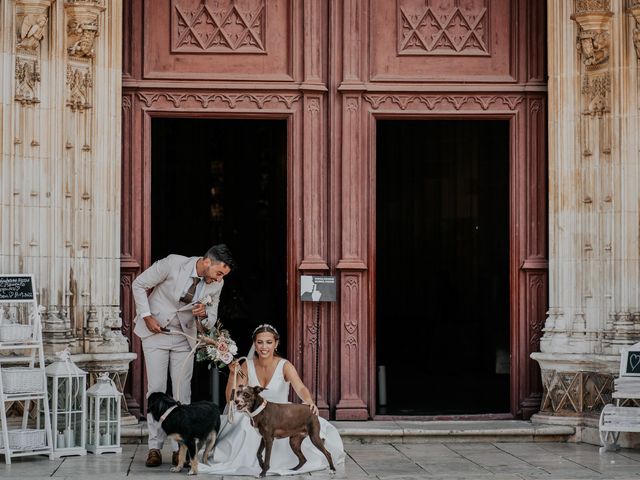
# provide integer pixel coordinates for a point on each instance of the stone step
(424, 432)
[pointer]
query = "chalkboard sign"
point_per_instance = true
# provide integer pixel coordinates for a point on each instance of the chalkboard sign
(633, 362)
(630, 361)
(16, 288)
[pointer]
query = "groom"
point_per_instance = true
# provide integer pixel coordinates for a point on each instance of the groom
(178, 284)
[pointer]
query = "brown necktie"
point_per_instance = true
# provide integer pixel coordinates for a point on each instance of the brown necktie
(188, 297)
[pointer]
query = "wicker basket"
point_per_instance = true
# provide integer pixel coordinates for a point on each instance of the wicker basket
(27, 439)
(22, 380)
(15, 332)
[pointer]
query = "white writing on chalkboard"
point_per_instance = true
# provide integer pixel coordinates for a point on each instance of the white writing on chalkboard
(16, 288)
(633, 362)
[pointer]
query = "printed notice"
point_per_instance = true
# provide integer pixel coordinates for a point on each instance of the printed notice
(321, 288)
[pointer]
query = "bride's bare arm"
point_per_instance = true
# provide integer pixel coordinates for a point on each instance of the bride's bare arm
(291, 376)
(242, 376)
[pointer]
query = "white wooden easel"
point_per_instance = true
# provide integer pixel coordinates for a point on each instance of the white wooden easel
(28, 352)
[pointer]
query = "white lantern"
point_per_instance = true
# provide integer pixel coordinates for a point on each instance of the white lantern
(104, 416)
(68, 405)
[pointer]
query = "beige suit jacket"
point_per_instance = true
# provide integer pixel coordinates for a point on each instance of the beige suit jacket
(168, 277)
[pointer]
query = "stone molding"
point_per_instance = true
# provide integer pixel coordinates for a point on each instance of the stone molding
(443, 102)
(634, 10)
(224, 101)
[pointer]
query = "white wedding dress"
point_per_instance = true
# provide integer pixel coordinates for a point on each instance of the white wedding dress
(238, 442)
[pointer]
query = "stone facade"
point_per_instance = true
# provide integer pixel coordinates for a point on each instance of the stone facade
(594, 216)
(60, 67)
(60, 167)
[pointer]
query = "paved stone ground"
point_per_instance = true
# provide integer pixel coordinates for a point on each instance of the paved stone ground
(450, 461)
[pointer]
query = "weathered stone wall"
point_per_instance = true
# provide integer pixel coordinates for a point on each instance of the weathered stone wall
(60, 71)
(594, 208)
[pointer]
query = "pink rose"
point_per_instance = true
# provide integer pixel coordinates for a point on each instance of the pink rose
(223, 347)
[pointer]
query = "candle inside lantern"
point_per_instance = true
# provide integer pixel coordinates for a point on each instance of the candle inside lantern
(69, 439)
(105, 439)
(60, 443)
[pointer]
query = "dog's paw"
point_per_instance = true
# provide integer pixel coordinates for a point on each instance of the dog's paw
(191, 472)
(176, 469)
(332, 472)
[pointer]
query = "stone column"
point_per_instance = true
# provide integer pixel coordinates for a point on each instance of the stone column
(593, 204)
(60, 168)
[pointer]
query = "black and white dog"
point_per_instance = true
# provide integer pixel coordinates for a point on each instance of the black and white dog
(199, 421)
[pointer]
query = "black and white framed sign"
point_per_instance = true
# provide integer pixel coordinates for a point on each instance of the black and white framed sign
(16, 288)
(317, 288)
(630, 361)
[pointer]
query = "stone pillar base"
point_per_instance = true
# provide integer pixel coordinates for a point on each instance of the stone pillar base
(576, 385)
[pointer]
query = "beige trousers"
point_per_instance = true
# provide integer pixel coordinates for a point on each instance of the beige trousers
(166, 353)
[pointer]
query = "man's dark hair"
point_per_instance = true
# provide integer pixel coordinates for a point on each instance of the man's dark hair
(220, 253)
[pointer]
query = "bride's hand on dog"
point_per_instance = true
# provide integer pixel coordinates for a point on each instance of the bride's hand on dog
(313, 408)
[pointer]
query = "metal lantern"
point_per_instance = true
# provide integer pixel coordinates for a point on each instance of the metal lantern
(68, 405)
(104, 416)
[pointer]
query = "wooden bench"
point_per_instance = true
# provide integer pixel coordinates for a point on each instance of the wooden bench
(615, 419)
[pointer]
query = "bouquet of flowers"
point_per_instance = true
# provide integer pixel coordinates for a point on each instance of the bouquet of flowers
(219, 347)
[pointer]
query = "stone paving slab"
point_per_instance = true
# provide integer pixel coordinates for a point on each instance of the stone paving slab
(447, 461)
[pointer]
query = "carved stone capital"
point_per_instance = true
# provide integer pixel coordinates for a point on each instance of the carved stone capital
(83, 25)
(594, 39)
(592, 6)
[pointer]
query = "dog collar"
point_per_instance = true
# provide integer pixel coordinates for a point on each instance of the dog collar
(256, 412)
(259, 409)
(166, 414)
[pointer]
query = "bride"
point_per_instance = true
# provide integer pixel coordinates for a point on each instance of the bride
(238, 442)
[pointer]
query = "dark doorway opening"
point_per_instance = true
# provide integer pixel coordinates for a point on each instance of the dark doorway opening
(224, 181)
(442, 275)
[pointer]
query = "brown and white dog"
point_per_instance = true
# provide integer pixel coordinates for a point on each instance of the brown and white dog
(280, 420)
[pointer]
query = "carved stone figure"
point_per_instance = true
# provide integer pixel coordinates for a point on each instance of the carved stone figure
(32, 31)
(83, 36)
(587, 6)
(594, 47)
(79, 83)
(27, 77)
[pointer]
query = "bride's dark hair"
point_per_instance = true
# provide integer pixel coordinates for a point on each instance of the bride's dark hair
(265, 328)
